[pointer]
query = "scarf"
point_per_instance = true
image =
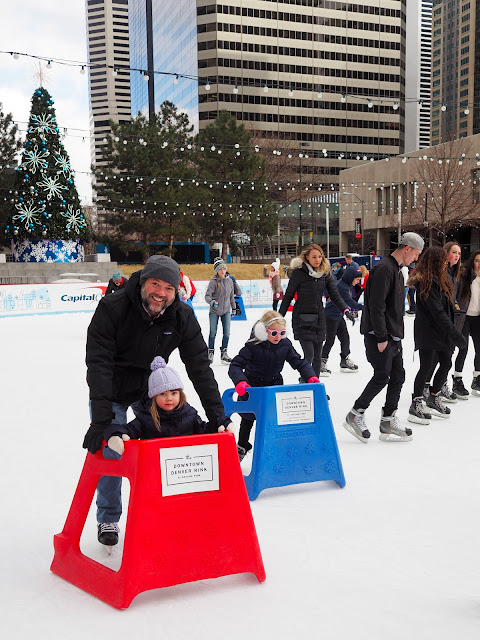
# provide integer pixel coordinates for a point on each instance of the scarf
(312, 272)
(272, 274)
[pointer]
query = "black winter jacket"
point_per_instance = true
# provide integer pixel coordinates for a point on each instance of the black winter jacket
(434, 321)
(181, 422)
(384, 302)
(113, 288)
(261, 363)
(308, 316)
(344, 289)
(122, 341)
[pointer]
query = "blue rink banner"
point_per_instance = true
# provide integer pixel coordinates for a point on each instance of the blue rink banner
(73, 297)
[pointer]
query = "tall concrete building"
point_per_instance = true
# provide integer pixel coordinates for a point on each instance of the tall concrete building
(418, 74)
(321, 74)
(109, 68)
(455, 70)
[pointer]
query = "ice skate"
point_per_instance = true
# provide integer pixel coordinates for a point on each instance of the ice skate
(426, 392)
(436, 406)
(476, 386)
(107, 534)
(324, 371)
(459, 388)
(417, 412)
(392, 431)
(447, 395)
(347, 366)
(355, 424)
(224, 357)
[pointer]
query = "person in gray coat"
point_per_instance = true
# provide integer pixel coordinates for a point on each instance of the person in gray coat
(220, 295)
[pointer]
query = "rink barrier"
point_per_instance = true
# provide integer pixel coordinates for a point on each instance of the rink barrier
(188, 518)
(294, 437)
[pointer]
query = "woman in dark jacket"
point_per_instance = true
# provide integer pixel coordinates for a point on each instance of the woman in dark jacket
(311, 279)
(435, 333)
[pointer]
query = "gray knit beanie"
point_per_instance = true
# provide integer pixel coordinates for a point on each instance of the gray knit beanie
(162, 378)
(219, 264)
(162, 268)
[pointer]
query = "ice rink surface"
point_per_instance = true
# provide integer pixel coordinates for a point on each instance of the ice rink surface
(395, 554)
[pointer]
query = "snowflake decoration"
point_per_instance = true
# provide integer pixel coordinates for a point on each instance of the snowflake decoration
(64, 164)
(75, 219)
(308, 469)
(44, 123)
(291, 453)
(39, 251)
(52, 187)
(35, 159)
(330, 467)
(310, 447)
(28, 213)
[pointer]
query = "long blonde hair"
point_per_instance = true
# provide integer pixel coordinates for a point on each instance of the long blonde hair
(154, 408)
(324, 267)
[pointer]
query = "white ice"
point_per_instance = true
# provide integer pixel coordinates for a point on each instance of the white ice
(392, 555)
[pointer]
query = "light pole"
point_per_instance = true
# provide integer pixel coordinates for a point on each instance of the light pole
(348, 193)
(300, 234)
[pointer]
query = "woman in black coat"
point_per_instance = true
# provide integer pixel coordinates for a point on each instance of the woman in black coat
(311, 279)
(435, 333)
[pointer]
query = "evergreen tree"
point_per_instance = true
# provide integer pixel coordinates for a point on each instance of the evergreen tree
(46, 203)
(10, 145)
(235, 183)
(145, 185)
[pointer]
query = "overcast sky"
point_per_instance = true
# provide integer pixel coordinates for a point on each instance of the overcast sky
(54, 29)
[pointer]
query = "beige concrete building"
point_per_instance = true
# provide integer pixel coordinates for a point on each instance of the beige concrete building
(434, 191)
(323, 75)
(455, 70)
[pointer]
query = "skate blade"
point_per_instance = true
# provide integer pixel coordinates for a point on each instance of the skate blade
(463, 397)
(354, 433)
(449, 400)
(392, 437)
(349, 370)
(324, 375)
(474, 392)
(416, 420)
(435, 414)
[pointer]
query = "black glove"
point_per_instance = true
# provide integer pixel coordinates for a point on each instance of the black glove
(460, 340)
(93, 439)
(348, 314)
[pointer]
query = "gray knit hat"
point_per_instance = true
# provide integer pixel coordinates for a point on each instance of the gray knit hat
(162, 268)
(219, 264)
(162, 378)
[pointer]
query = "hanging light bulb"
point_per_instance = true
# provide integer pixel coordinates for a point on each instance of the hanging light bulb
(444, 107)
(370, 104)
(146, 77)
(395, 106)
(265, 88)
(290, 93)
(15, 56)
(114, 71)
(343, 98)
(467, 111)
(49, 64)
(235, 89)
(207, 86)
(175, 80)
(319, 94)
(82, 70)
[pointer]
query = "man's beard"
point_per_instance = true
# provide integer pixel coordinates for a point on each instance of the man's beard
(159, 306)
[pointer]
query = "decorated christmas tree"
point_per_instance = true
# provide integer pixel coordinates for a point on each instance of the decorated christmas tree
(47, 223)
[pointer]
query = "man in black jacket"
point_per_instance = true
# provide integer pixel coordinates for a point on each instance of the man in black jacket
(382, 327)
(127, 331)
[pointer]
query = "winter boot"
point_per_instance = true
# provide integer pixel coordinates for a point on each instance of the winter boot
(324, 372)
(436, 406)
(355, 424)
(107, 533)
(459, 388)
(417, 412)
(392, 431)
(224, 357)
(210, 355)
(347, 366)
(476, 385)
(447, 395)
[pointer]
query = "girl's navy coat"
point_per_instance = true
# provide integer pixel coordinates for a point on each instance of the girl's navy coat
(344, 287)
(308, 317)
(181, 422)
(261, 364)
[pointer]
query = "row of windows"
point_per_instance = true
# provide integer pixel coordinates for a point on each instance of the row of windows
(327, 22)
(297, 103)
(305, 53)
(319, 37)
(304, 86)
(319, 71)
(304, 18)
(317, 4)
